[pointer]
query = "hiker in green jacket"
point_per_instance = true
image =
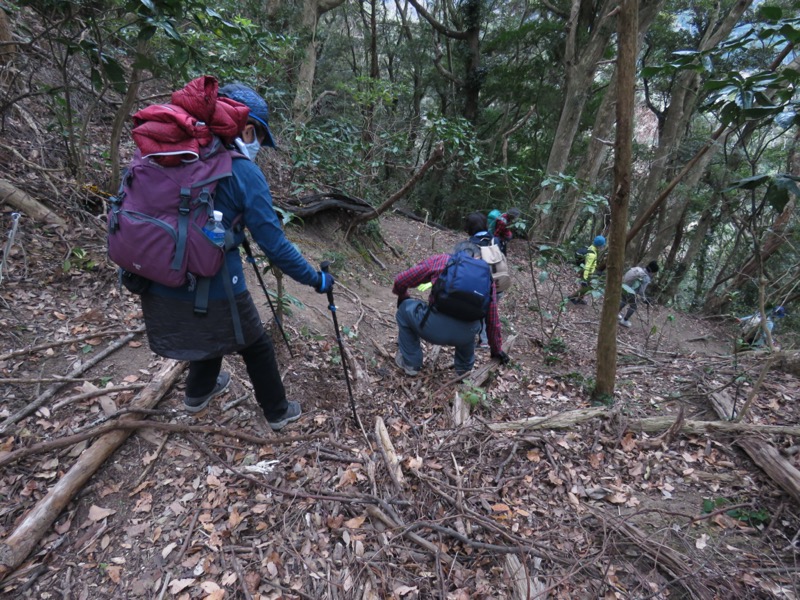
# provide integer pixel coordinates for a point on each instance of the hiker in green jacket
(589, 267)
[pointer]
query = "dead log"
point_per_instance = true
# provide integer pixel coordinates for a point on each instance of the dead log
(479, 376)
(23, 202)
(16, 547)
(523, 585)
(664, 558)
(563, 420)
(570, 418)
(308, 206)
(788, 362)
(389, 453)
(460, 411)
(780, 470)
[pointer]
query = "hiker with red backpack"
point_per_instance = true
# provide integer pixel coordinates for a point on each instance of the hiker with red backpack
(500, 226)
(205, 316)
(462, 296)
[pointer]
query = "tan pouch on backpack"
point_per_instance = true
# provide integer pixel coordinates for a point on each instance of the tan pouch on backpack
(499, 264)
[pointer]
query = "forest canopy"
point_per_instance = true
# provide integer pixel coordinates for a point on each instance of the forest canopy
(518, 95)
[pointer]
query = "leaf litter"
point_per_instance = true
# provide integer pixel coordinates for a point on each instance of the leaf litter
(595, 509)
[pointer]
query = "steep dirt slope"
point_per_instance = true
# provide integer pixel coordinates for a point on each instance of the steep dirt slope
(591, 509)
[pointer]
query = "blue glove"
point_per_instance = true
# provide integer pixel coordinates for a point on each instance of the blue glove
(324, 283)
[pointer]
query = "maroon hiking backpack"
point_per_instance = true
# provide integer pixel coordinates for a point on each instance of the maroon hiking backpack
(155, 222)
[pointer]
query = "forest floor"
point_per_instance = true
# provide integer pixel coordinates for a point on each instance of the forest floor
(591, 508)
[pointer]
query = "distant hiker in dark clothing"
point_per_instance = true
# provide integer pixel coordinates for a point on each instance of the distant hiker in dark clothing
(752, 332)
(589, 267)
(477, 228)
(502, 229)
(416, 320)
(637, 279)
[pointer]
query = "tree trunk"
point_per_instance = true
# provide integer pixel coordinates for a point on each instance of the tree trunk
(7, 48)
(681, 108)
(598, 145)
(776, 236)
(682, 267)
(312, 10)
(675, 216)
(623, 156)
(580, 67)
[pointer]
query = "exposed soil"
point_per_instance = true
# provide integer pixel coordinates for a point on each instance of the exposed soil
(595, 510)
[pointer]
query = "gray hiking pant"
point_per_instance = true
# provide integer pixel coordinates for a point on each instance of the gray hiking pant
(439, 329)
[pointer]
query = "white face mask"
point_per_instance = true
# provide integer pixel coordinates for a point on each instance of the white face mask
(249, 150)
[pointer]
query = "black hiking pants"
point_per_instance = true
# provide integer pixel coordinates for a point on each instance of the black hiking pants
(259, 358)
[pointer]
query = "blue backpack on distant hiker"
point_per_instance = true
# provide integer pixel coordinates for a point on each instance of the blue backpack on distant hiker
(580, 256)
(463, 290)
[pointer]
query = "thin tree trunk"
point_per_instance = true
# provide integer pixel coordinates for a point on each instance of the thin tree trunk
(623, 156)
(312, 10)
(436, 156)
(121, 117)
(580, 67)
(682, 106)
(678, 272)
(598, 145)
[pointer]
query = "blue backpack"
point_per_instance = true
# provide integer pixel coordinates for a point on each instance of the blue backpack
(464, 289)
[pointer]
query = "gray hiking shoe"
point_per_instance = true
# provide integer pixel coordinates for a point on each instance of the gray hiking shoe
(410, 371)
(625, 323)
(195, 405)
(292, 413)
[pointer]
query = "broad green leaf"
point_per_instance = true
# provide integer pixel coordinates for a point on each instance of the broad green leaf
(773, 13)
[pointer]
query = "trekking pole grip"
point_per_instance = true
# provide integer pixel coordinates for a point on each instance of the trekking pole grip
(324, 266)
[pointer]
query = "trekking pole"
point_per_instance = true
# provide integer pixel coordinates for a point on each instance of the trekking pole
(251, 259)
(324, 268)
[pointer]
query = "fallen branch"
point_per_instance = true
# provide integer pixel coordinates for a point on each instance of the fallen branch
(130, 425)
(435, 156)
(13, 196)
(376, 513)
(32, 407)
(75, 340)
(16, 547)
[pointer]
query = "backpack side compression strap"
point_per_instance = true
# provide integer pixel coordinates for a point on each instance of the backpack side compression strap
(201, 301)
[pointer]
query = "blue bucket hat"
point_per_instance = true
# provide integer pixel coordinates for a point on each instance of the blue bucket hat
(599, 241)
(259, 111)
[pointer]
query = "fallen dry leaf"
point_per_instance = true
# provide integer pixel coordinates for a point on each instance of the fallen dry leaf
(97, 513)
